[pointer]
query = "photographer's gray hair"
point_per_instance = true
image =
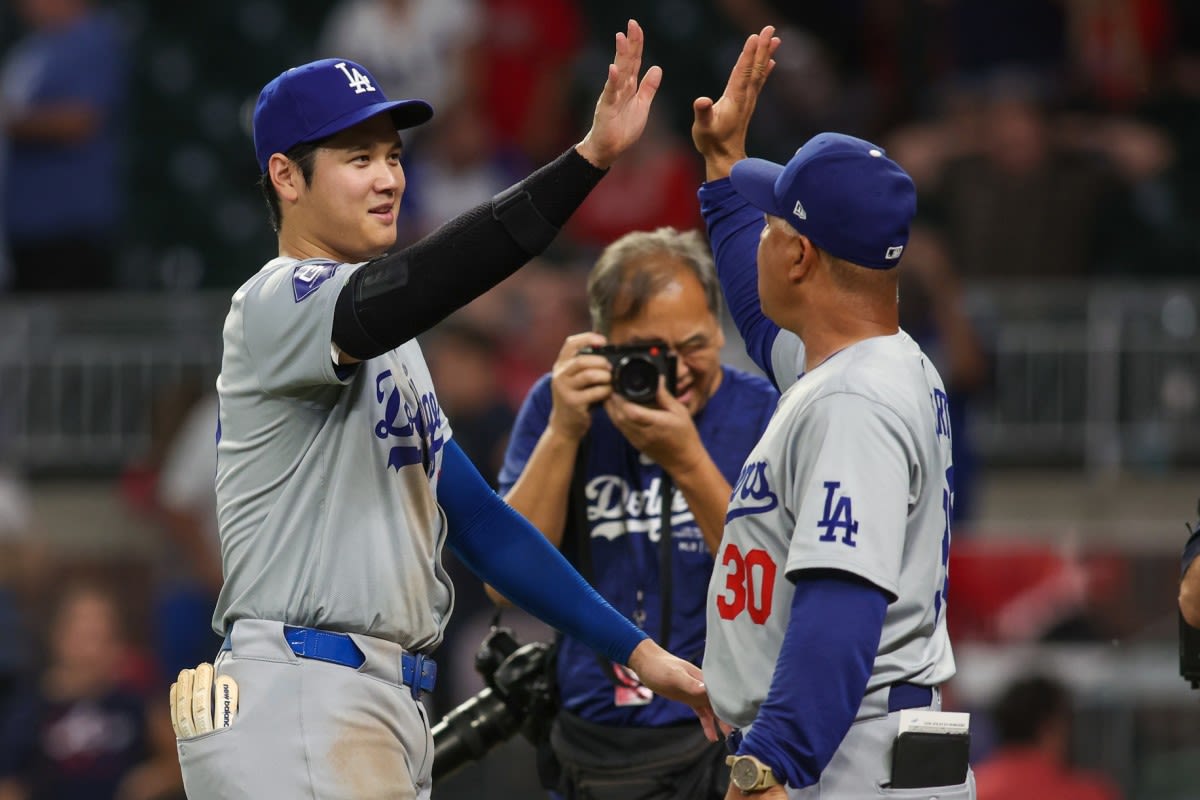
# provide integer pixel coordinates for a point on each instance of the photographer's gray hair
(641, 264)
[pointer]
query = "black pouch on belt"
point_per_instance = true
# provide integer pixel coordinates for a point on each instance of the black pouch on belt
(920, 760)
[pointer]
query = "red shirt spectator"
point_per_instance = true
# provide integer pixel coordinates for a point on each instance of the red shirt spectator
(527, 49)
(1033, 723)
(1031, 772)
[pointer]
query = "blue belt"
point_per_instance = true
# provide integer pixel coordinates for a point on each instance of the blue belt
(909, 695)
(418, 672)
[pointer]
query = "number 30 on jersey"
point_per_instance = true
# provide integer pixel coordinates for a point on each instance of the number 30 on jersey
(749, 584)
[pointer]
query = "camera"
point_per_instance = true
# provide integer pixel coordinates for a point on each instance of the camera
(636, 368)
(518, 697)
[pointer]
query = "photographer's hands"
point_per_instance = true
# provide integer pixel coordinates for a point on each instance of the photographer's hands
(664, 433)
(675, 678)
(578, 382)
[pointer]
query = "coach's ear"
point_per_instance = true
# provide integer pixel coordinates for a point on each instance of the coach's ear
(805, 258)
(285, 177)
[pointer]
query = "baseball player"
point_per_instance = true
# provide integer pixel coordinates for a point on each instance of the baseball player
(338, 483)
(827, 606)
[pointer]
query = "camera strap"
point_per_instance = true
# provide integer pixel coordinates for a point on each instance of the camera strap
(578, 548)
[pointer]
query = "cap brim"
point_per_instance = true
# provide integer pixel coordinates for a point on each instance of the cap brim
(754, 179)
(405, 114)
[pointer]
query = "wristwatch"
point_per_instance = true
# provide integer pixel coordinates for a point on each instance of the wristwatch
(749, 774)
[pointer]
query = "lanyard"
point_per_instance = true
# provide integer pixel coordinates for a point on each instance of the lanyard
(582, 541)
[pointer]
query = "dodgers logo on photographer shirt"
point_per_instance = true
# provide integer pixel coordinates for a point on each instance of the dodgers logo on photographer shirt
(615, 508)
(420, 433)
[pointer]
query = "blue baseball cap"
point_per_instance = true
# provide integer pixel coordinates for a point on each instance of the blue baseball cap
(319, 99)
(843, 193)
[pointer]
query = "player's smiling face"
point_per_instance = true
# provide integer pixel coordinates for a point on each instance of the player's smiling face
(679, 316)
(349, 209)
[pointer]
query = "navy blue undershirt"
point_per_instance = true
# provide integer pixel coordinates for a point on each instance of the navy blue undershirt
(820, 676)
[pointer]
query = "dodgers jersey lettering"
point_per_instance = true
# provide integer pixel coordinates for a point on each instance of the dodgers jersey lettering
(853, 473)
(313, 531)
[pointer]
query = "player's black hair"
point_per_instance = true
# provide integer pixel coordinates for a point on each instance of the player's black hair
(1025, 708)
(304, 154)
(639, 265)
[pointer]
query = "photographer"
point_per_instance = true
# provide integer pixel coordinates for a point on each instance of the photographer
(594, 451)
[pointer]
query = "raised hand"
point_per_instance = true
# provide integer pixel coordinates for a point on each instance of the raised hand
(624, 104)
(719, 129)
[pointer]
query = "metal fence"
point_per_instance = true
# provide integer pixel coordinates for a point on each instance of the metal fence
(78, 376)
(1100, 376)
(1104, 376)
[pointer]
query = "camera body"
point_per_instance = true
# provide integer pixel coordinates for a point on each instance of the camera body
(636, 368)
(519, 697)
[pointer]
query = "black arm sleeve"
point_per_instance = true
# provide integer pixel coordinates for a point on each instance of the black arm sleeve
(396, 297)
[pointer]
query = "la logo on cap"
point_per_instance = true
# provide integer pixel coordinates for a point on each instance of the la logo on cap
(358, 82)
(799, 211)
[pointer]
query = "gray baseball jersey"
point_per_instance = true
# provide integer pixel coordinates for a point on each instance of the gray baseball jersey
(326, 476)
(853, 473)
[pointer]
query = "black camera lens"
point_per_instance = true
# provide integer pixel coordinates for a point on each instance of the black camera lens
(636, 379)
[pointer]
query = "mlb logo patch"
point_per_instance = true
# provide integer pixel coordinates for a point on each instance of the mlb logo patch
(308, 277)
(893, 252)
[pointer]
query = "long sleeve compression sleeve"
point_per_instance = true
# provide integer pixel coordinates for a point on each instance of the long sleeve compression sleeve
(504, 550)
(394, 298)
(820, 676)
(733, 229)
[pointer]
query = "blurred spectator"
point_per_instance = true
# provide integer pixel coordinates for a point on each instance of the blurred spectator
(1175, 109)
(1025, 34)
(62, 96)
(78, 732)
(1115, 46)
(463, 361)
(651, 187)
(414, 48)
(1025, 207)
(458, 170)
(1033, 726)
(190, 577)
(524, 75)
(541, 305)
(932, 311)
(23, 559)
(694, 43)
(832, 72)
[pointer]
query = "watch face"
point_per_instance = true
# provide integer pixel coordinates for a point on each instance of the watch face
(744, 774)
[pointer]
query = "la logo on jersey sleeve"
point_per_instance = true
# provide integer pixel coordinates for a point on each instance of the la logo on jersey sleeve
(838, 516)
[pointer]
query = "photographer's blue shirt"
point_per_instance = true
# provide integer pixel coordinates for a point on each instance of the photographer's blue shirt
(623, 491)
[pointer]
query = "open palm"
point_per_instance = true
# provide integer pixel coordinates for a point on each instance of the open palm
(624, 103)
(719, 129)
